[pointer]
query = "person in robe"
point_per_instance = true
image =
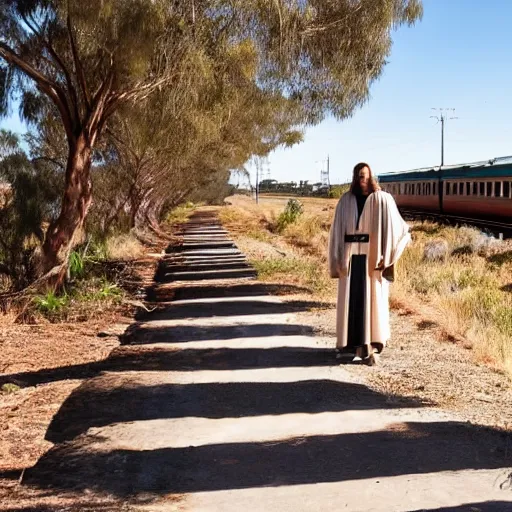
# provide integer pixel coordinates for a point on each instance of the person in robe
(367, 237)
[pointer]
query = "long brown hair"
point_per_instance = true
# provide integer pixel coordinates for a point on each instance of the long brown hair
(355, 188)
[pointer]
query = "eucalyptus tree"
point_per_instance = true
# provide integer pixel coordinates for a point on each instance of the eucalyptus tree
(26, 204)
(89, 59)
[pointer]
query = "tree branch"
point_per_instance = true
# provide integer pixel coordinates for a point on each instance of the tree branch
(324, 28)
(78, 64)
(49, 159)
(46, 85)
(60, 64)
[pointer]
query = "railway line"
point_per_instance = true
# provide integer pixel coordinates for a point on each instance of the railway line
(495, 228)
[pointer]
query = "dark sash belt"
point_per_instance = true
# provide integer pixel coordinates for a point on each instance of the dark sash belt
(358, 238)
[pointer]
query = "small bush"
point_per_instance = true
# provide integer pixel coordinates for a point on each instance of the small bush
(76, 265)
(291, 213)
(108, 290)
(50, 303)
(180, 214)
(337, 191)
(26, 204)
(9, 387)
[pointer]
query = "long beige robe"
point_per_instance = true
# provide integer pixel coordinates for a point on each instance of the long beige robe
(388, 237)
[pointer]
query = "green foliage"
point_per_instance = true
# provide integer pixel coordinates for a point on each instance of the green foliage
(99, 249)
(76, 265)
(50, 303)
(291, 213)
(28, 199)
(301, 269)
(108, 290)
(9, 387)
(189, 92)
(337, 191)
(180, 214)
(84, 299)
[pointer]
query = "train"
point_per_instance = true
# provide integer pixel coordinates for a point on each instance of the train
(480, 190)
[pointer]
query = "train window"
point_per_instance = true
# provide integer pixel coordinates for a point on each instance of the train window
(455, 189)
(475, 188)
(489, 189)
(461, 189)
(482, 188)
(468, 188)
(506, 189)
(447, 189)
(497, 189)
(434, 188)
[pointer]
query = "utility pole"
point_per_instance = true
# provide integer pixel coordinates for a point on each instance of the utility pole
(324, 174)
(257, 178)
(442, 118)
(260, 173)
(328, 178)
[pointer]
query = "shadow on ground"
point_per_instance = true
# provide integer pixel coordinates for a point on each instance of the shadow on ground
(484, 506)
(164, 292)
(238, 308)
(82, 460)
(111, 399)
(403, 449)
(162, 359)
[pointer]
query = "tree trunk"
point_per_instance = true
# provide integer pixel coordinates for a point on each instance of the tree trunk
(62, 233)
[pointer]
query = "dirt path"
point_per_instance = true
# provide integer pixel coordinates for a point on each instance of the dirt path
(223, 400)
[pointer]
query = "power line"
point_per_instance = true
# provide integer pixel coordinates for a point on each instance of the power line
(442, 118)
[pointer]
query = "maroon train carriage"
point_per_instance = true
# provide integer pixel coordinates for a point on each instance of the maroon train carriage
(480, 190)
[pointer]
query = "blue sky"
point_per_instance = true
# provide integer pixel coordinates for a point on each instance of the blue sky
(458, 56)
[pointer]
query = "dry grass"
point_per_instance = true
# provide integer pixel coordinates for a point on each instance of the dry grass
(469, 290)
(468, 293)
(180, 214)
(124, 247)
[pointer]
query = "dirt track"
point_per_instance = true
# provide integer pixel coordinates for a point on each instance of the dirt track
(222, 399)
